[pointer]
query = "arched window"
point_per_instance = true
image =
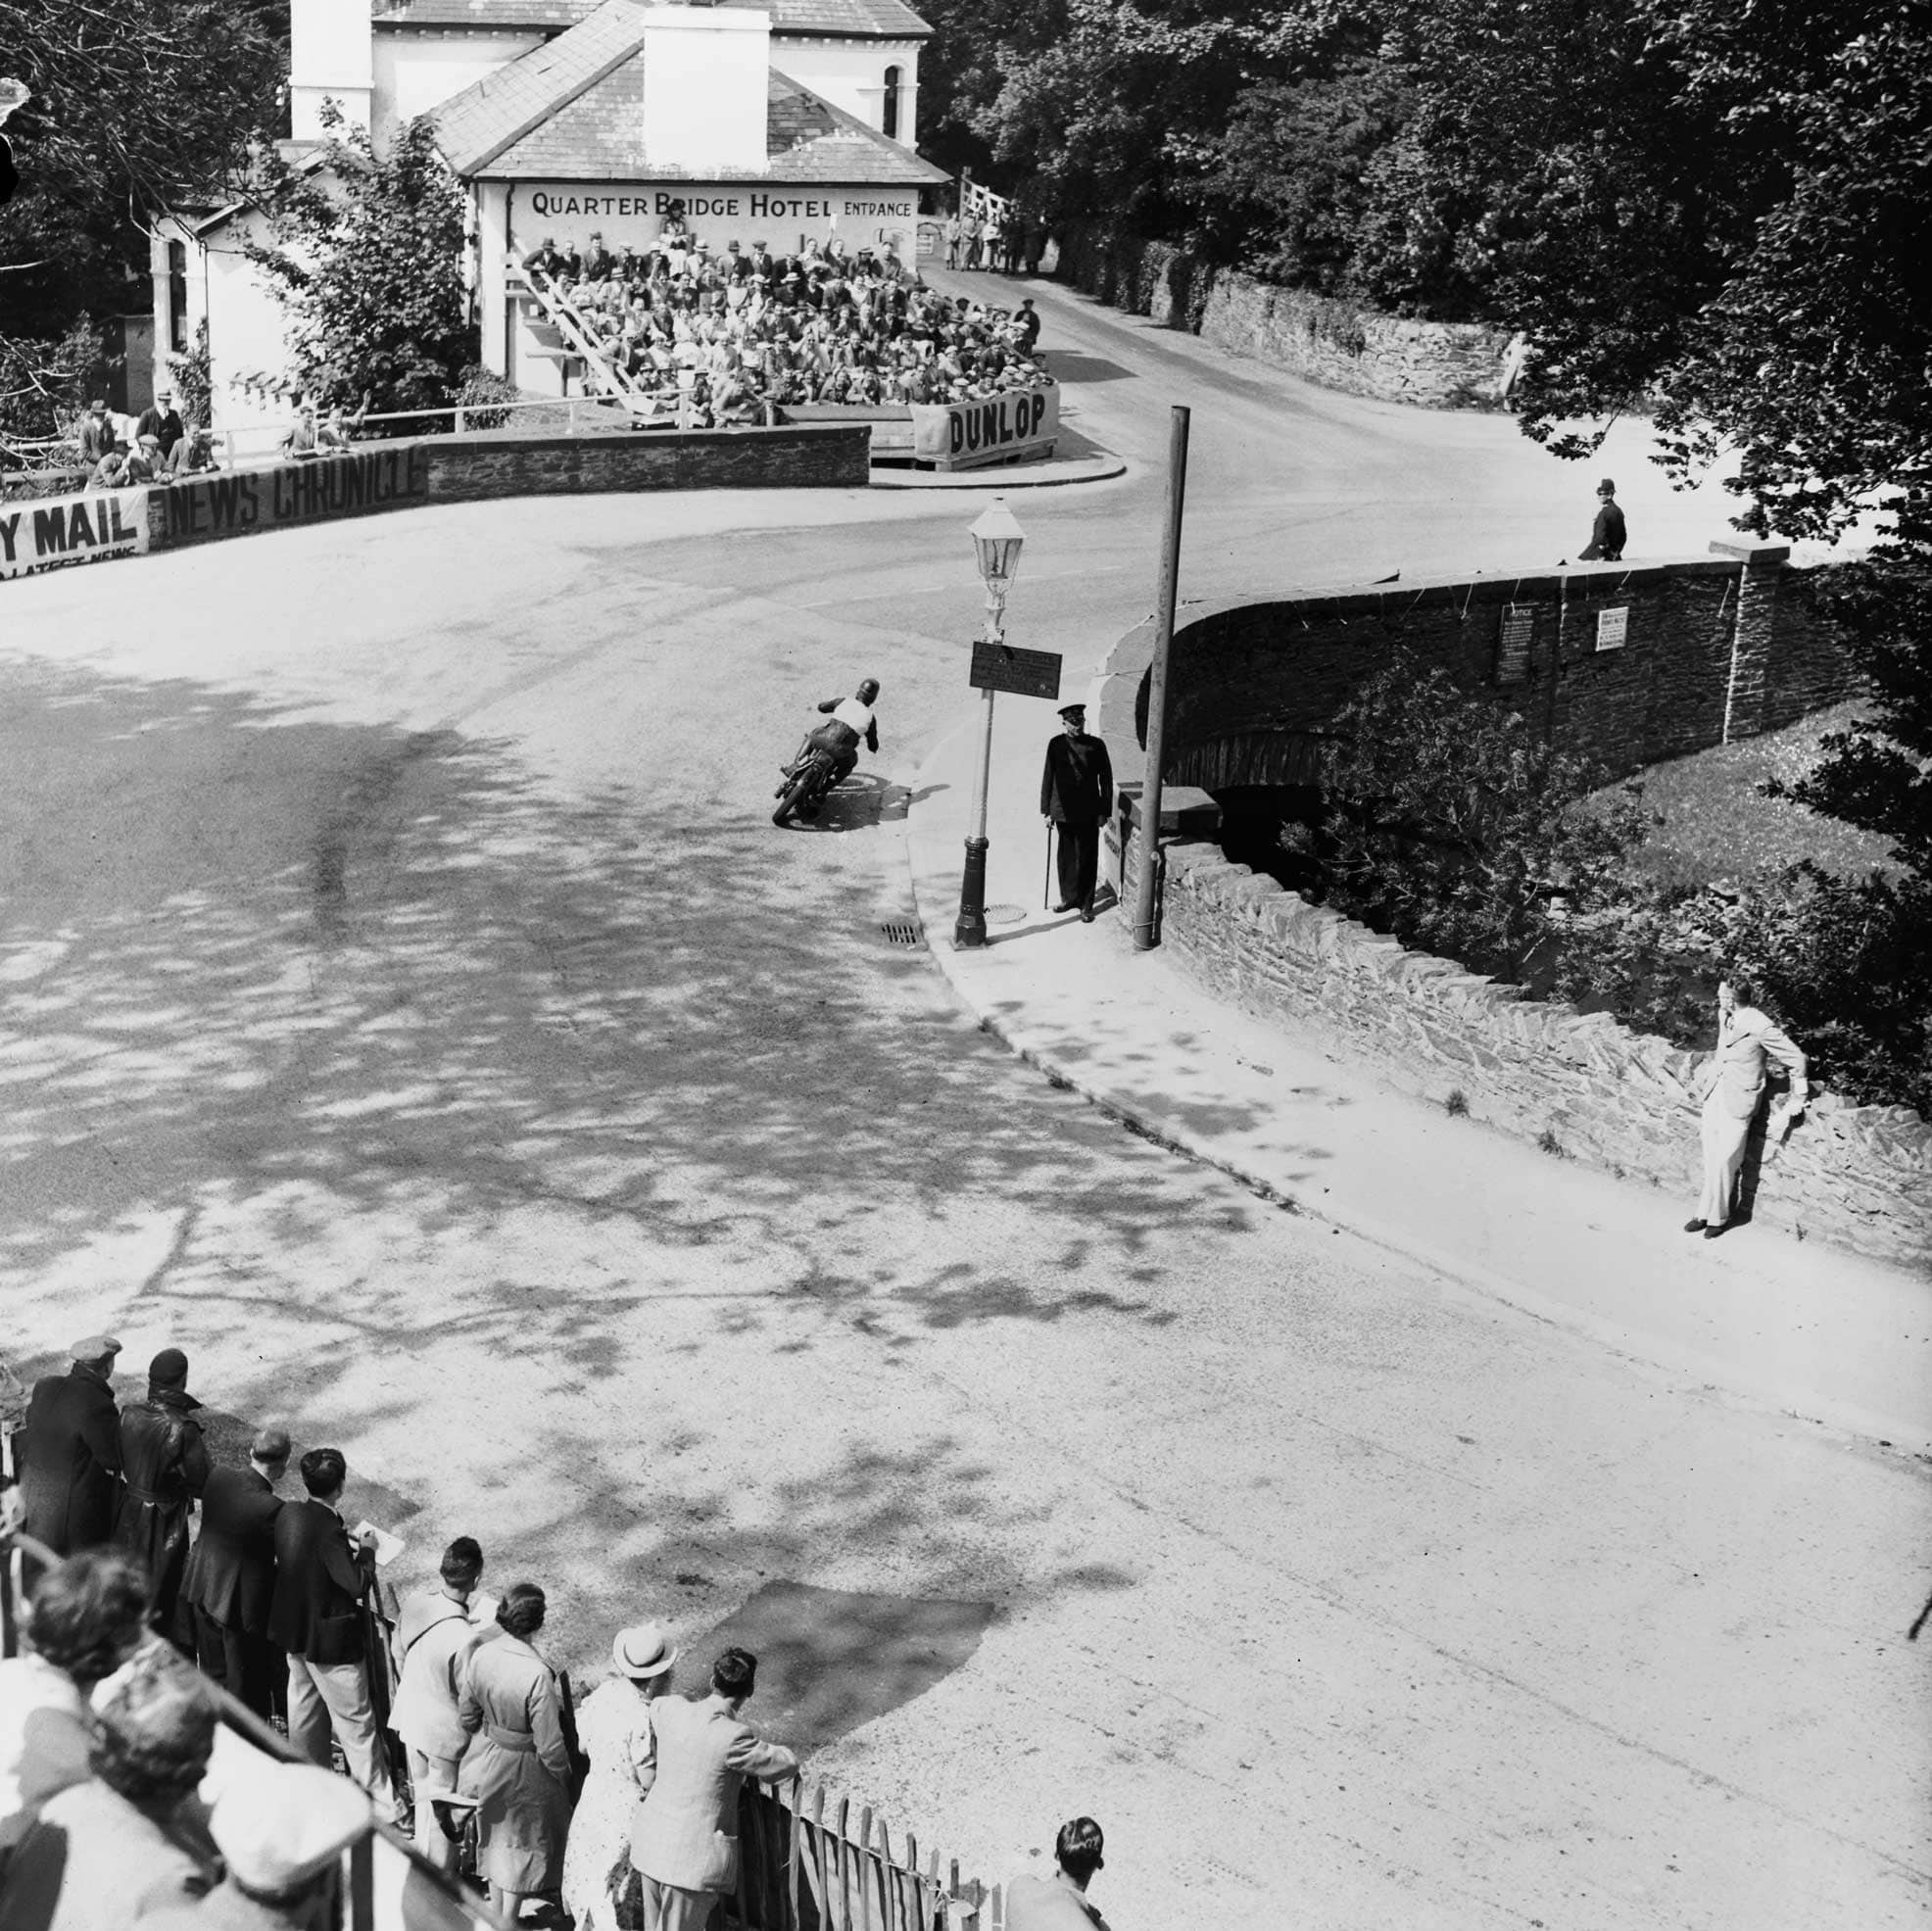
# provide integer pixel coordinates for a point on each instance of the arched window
(890, 116)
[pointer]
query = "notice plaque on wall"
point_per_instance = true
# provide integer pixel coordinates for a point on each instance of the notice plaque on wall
(1614, 628)
(1026, 673)
(1513, 643)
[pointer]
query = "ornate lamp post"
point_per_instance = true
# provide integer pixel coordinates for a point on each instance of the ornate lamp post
(997, 540)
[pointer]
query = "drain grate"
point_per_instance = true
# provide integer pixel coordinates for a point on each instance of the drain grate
(1005, 914)
(900, 932)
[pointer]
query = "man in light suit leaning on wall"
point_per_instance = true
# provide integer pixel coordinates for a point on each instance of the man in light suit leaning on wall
(1746, 1041)
(684, 1840)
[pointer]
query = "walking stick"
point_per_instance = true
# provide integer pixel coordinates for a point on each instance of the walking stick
(1047, 883)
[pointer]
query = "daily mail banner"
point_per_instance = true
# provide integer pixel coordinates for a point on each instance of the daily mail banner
(46, 533)
(970, 435)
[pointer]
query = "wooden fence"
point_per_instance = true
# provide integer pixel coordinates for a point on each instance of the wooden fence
(805, 1865)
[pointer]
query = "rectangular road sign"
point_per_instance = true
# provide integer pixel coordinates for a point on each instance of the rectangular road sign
(1026, 673)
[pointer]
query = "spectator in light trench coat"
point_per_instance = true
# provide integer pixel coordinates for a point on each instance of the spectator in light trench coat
(518, 1767)
(1746, 1041)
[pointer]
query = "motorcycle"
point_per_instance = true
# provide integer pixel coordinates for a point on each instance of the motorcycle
(806, 785)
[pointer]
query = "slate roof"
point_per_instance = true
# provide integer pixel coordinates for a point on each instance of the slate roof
(573, 110)
(877, 19)
(494, 113)
(598, 136)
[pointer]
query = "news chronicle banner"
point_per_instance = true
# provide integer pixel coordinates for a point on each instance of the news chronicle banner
(49, 533)
(971, 434)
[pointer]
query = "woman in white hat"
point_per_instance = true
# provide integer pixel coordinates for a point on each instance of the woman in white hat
(614, 1728)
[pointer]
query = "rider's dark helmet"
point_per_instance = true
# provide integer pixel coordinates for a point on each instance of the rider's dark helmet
(868, 688)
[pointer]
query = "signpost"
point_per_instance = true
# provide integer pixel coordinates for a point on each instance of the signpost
(998, 666)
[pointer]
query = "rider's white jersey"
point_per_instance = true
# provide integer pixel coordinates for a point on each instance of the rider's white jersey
(856, 714)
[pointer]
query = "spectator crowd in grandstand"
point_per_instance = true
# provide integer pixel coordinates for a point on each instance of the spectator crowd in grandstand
(734, 335)
(446, 1714)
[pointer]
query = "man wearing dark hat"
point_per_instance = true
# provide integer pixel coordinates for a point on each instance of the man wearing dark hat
(1075, 795)
(96, 433)
(230, 1579)
(164, 1464)
(72, 1451)
(1607, 534)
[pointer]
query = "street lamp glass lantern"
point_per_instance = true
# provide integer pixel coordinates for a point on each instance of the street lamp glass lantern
(997, 542)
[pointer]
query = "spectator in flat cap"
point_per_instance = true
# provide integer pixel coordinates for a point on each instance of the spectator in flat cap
(281, 1831)
(229, 1584)
(435, 1635)
(133, 1839)
(1060, 1903)
(164, 1462)
(601, 1885)
(85, 1624)
(517, 1766)
(70, 1451)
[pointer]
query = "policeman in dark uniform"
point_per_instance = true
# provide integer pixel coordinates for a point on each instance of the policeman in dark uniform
(1076, 794)
(1607, 535)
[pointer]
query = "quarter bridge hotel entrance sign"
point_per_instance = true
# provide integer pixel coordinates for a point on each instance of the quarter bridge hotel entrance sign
(782, 215)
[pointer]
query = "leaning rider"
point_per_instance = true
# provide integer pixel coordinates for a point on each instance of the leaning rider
(852, 723)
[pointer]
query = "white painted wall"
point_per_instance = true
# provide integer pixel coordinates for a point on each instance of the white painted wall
(417, 71)
(706, 81)
(852, 74)
(330, 57)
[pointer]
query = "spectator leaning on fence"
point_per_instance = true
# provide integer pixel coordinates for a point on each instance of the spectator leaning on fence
(281, 1831)
(85, 1623)
(133, 1839)
(1060, 1903)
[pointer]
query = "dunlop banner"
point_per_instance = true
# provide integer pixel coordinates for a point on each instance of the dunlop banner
(36, 536)
(969, 435)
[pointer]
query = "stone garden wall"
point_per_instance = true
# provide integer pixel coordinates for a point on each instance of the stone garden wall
(1858, 1176)
(1338, 344)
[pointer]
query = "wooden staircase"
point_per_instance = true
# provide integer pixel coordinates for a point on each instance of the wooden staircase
(560, 334)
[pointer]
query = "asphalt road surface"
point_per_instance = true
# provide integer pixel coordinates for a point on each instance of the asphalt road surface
(411, 1011)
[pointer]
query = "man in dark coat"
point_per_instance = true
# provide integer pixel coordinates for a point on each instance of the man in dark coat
(1606, 533)
(230, 1579)
(164, 1464)
(316, 1619)
(161, 421)
(1076, 794)
(71, 1449)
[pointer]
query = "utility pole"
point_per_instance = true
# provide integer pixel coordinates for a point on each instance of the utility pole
(1150, 788)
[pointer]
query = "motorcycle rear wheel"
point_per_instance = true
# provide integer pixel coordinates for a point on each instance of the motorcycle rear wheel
(795, 794)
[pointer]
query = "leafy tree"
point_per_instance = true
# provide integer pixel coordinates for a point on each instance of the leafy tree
(1446, 822)
(44, 386)
(194, 380)
(1284, 193)
(134, 110)
(367, 256)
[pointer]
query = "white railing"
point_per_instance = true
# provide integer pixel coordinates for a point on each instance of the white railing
(976, 200)
(581, 339)
(251, 443)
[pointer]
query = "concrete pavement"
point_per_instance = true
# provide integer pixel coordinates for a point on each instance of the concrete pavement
(1825, 1336)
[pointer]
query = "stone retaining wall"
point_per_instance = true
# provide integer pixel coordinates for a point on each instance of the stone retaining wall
(1697, 652)
(1858, 1176)
(1340, 344)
